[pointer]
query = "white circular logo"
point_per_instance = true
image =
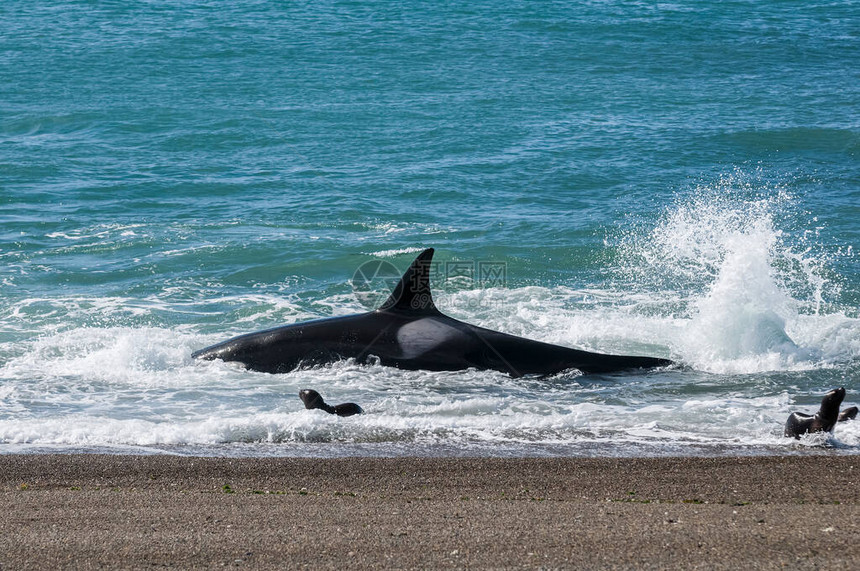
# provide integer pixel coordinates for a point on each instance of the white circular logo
(373, 282)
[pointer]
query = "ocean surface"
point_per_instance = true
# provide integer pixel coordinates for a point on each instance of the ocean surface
(679, 180)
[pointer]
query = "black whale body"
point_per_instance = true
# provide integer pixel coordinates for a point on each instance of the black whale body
(409, 332)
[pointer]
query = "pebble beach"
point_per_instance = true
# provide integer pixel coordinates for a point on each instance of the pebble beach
(95, 511)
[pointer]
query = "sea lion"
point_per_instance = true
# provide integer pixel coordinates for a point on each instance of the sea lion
(313, 399)
(848, 414)
(822, 421)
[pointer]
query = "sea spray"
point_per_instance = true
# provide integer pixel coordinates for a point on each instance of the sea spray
(744, 312)
(739, 281)
(721, 281)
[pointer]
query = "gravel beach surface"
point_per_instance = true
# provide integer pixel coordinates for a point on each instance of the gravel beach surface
(101, 511)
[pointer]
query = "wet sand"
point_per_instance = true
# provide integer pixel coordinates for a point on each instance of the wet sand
(88, 511)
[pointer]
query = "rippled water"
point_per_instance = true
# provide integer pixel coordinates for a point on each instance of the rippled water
(676, 180)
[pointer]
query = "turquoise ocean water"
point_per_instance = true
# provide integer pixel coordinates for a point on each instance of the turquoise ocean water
(678, 179)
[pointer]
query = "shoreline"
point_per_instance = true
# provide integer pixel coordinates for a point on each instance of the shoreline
(86, 511)
(812, 445)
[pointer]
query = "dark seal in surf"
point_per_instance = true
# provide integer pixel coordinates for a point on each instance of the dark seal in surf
(313, 400)
(822, 421)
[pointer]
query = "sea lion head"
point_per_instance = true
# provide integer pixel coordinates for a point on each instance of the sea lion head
(828, 414)
(312, 399)
(832, 401)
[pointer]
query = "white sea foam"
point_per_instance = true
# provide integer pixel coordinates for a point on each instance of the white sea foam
(750, 292)
(98, 231)
(396, 252)
(138, 387)
(716, 284)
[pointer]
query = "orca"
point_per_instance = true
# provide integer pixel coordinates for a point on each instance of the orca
(409, 332)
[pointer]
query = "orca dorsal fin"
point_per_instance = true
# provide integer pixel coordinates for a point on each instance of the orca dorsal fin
(413, 290)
